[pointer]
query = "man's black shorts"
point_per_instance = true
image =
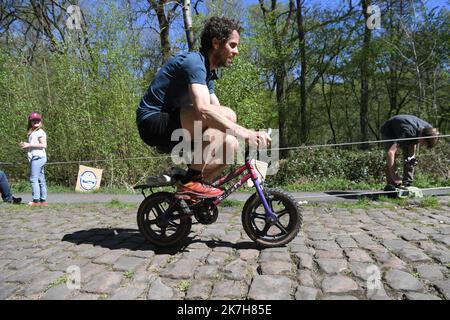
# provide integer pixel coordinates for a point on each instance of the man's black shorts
(156, 130)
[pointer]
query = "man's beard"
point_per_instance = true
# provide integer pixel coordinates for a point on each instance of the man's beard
(223, 61)
(227, 62)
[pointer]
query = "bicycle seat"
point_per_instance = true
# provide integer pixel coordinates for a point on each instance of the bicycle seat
(159, 181)
(168, 178)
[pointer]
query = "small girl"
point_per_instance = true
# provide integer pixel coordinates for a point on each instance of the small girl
(37, 142)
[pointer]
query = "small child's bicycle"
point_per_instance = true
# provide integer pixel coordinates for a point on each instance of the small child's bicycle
(270, 217)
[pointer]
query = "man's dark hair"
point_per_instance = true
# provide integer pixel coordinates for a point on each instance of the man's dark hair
(219, 28)
(430, 132)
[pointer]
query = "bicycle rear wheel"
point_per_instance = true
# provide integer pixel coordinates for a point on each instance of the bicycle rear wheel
(162, 228)
(262, 231)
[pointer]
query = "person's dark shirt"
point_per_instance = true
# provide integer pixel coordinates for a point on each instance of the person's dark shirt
(403, 127)
(168, 91)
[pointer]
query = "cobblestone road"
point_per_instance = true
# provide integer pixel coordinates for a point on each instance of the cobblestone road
(400, 253)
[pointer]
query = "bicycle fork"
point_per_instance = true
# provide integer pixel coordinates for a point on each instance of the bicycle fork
(271, 217)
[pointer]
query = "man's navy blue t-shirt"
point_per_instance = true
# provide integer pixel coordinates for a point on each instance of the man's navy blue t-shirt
(168, 91)
(404, 126)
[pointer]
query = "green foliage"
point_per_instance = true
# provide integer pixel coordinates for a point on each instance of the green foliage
(430, 202)
(21, 186)
(117, 204)
(381, 203)
(128, 274)
(88, 108)
(240, 88)
(231, 203)
(313, 169)
(324, 184)
(314, 164)
(61, 280)
(363, 203)
(88, 95)
(184, 285)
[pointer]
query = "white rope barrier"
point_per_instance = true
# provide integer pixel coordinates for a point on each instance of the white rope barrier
(107, 160)
(353, 143)
(279, 149)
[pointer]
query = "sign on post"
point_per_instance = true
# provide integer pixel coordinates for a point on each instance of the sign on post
(88, 179)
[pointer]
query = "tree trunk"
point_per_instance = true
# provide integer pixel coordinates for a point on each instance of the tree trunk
(279, 68)
(164, 31)
(365, 62)
(280, 80)
(303, 65)
(328, 104)
(392, 86)
(188, 24)
(164, 27)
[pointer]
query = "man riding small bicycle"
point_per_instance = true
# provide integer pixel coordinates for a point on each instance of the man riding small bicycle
(182, 93)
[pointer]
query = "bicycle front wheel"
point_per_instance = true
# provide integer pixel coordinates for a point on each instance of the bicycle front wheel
(262, 231)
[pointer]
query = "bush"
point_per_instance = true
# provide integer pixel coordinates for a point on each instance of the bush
(312, 165)
(315, 164)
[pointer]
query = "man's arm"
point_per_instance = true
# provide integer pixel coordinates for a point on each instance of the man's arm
(412, 148)
(207, 111)
(203, 102)
(390, 164)
(214, 100)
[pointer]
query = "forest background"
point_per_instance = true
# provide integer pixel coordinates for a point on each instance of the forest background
(322, 72)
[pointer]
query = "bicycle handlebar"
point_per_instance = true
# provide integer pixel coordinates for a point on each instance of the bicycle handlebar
(247, 151)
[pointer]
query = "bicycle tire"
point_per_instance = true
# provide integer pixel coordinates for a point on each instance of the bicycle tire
(259, 231)
(153, 206)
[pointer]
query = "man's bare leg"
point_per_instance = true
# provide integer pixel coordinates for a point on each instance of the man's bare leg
(219, 153)
(213, 161)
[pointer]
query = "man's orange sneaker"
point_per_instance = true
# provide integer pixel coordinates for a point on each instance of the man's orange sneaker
(198, 189)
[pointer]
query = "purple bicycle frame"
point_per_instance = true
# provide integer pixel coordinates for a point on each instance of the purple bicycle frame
(250, 175)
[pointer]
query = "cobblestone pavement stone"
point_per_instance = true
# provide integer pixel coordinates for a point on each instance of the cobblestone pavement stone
(364, 253)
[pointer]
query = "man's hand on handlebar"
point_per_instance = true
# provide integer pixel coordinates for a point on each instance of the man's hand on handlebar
(259, 139)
